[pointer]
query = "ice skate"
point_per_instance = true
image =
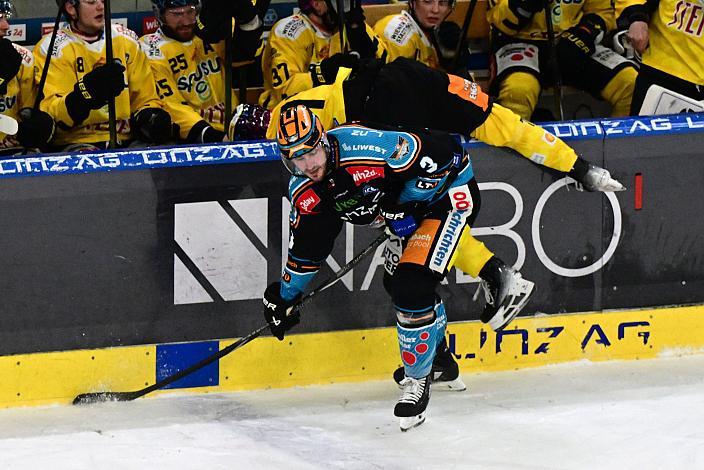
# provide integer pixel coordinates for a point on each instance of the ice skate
(411, 407)
(506, 294)
(445, 372)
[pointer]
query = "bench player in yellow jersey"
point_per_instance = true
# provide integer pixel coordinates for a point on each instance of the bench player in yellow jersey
(189, 73)
(520, 53)
(421, 33)
(17, 92)
(79, 83)
(669, 34)
(304, 50)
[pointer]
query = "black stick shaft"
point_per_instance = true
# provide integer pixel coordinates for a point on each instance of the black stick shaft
(112, 114)
(557, 76)
(94, 397)
(463, 34)
(49, 53)
(341, 19)
(228, 79)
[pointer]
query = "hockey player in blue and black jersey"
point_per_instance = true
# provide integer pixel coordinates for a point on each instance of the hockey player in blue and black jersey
(421, 185)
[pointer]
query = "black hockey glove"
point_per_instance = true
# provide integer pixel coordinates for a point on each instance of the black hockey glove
(401, 218)
(94, 89)
(325, 72)
(152, 125)
(276, 311)
(36, 128)
(247, 39)
(10, 63)
(203, 133)
(449, 34)
(102, 83)
(250, 122)
(356, 28)
(581, 40)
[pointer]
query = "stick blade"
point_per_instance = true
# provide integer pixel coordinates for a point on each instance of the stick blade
(102, 397)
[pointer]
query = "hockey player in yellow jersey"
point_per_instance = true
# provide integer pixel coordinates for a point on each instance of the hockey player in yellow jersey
(410, 33)
(669, 34)
(80, 82)
(17, 92)
(520, 53)
(189, 73)
(408, 93)
(421, 33)
(304, 50)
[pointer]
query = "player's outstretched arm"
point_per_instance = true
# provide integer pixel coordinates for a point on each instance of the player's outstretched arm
(504, 128)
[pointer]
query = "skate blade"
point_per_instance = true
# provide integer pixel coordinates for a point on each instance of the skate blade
(519, 299)
(456, 385)
(411, 422)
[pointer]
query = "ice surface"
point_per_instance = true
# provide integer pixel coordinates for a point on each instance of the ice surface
(621, 415)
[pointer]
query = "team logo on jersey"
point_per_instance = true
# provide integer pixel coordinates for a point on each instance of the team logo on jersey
(401, 150)
(150, 45)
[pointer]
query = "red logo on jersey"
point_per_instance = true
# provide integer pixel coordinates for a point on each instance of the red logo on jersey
(363, 174)
(307, 202)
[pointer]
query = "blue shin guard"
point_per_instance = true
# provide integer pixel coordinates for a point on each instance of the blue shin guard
(418, 344)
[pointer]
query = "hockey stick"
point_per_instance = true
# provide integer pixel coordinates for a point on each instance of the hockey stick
(8, 125)
(228, 78)
(50, 52)
(552, 61)
(112, 115)
(463, 34)
(96, 397)
(341, 19)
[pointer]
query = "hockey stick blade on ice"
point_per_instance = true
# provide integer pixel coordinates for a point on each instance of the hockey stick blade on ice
(98, 397)
(8, 125)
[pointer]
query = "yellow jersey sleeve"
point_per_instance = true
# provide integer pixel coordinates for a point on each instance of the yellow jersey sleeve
(504, 128)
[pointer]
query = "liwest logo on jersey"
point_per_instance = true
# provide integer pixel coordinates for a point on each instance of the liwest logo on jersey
(43, 165)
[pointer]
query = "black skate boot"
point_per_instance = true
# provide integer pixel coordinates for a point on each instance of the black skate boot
(506, 293)
(410, 408)
(445, 372)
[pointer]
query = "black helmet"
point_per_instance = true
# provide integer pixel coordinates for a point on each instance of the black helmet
(7, 9)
